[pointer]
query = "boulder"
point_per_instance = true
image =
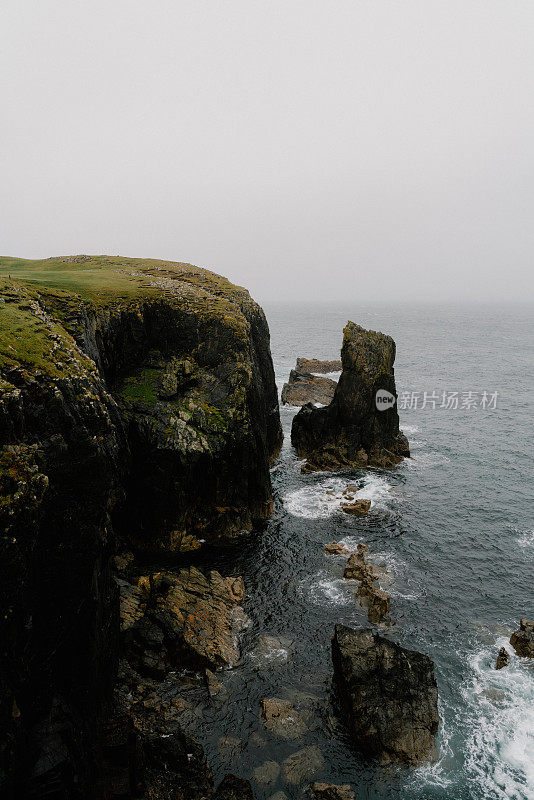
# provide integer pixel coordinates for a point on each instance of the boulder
(503, 659)
(352, 432)
(357, 507)
(330, 791)
(522, 640)
(303, 766)
(389, 696)
(317, 365)
(266, 774)
(303, 388)
(281, 718)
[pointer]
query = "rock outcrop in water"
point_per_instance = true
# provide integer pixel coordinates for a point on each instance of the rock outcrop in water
(352, 431)
(522, 640)
(137, 407)
(303, 387)
(389, 696)
(372, 597)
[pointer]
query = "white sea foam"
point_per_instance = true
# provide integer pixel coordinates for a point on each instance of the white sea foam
(326, 590)
(526, 540)
(321, 500)
(500, 704)
(409, 430)
(334, 376)
(425, 461)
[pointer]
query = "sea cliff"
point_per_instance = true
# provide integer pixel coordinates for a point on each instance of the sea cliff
(138, 411)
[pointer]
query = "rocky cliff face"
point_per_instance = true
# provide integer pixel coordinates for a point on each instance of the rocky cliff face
(137, 405)
(352, 431)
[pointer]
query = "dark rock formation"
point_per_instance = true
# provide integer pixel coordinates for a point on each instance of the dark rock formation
(352, 431)
(303, 387)
(316, 365)
(522, 640)
(372, 597)
(503, 659)
(389, 696)
(138, 410)
(233, 788)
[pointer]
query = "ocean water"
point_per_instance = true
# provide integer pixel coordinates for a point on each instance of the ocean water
(454, 526)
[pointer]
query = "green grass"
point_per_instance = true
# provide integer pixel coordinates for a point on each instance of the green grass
(101, 278)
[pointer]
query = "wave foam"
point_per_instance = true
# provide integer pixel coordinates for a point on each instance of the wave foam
(501, 740)
(321, 500)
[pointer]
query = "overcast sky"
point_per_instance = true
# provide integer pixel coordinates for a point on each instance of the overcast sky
(329, 149)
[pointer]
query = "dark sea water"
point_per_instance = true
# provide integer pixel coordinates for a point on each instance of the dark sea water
(454, 526)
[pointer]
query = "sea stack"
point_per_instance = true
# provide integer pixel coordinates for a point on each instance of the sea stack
(389, 695)
(355, 430)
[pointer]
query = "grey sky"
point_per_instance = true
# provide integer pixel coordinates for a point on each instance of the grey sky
(330, 150)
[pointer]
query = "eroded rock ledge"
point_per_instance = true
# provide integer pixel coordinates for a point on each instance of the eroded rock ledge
(352, 431)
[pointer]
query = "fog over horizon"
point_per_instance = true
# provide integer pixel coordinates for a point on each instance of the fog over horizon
(343, 152)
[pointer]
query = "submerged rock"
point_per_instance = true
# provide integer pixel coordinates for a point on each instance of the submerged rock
(330, 791)
(267, 773)
(389, 696)
(282, 719)
(522, 640)
(303, 387)
(303, 766)
(232, 788)
(503, 659)
(272, 651)
(352, 431)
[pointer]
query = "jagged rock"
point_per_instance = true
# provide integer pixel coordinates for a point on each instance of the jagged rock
(213, 683)
(503, 659)
(389, 695)
(316, 365)
(232, 788)
(303, 766)
(279, 796)
(330, 791)
(351, 431)
(372, 596)
(522, 640)
(337, 549)
(183, 617)
(303, 387)
(281, 718)
(266, 774)
(357, 507)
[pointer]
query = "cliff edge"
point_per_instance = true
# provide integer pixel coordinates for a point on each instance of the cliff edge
(137, 407)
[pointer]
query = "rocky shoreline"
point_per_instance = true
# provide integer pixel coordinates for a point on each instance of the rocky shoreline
(139, 421)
